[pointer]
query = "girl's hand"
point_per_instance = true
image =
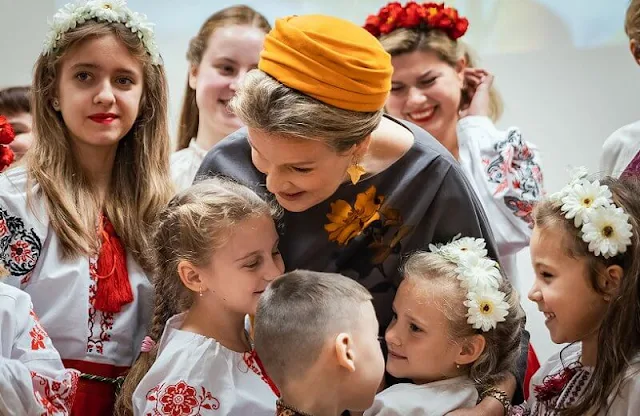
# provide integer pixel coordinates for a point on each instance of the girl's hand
(478, 83)
(490, 406)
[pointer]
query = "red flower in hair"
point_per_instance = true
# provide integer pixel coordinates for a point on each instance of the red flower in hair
(460, 28)
(391, 15)
(6, 131)
(413, 15)
(372, 25)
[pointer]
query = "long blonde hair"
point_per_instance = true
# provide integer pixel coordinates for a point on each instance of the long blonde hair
(403, 40)
(140, 183)
(502, 347)
(196, 222)
(234, 15)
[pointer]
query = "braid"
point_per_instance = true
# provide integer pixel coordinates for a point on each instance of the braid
(166, 305)
(195, 222)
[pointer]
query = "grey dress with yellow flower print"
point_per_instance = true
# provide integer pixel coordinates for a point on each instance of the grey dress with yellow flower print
(365, 230)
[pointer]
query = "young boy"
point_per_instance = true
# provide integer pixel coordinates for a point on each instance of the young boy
(317, 336)
(15, 106)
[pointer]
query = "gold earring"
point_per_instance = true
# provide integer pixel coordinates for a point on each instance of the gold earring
(355, 172)
(200, 291)
(458, 366)
(55, 104)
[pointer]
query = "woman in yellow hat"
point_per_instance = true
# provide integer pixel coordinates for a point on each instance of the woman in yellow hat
(359, 189)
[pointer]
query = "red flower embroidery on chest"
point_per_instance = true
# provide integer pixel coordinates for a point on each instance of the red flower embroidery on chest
(37, 333)
(21, 252)
(180, 399)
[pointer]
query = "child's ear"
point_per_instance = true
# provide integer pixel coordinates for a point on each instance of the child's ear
(345, 352)
(190, 276)
(610, 281)
(193, 76)
(471, 349)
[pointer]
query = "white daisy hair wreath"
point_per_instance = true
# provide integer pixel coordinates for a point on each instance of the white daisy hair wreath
(480, 276)
(604, 226)
(114, 11)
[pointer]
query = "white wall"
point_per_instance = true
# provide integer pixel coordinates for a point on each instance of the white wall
(562, 67)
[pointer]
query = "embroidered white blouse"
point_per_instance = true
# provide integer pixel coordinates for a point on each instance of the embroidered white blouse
(505, 173)
(625, 403)
(194, 374)
(433, 399)
(33, 380)
(185, 164)
(620, 149)
(62, 290)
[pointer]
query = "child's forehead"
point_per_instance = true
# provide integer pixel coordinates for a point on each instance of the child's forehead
(425, 290)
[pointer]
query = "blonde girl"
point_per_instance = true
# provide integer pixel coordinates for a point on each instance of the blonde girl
(75, 221)
(455, 332)
(215, 250)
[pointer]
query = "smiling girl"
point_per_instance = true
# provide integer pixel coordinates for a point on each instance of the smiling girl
(226, 47)
(215, 251)
(75, 221)
(436, 86)
(586, 255)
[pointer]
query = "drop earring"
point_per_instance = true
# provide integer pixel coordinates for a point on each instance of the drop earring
(200, 291)
(355, 172)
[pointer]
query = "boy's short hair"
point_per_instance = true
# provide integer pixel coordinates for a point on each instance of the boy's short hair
(296, 315)
(15, 100)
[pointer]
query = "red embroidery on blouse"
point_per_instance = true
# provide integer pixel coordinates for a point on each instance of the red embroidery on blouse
(180, 399)
(21, 252)
(37, 333)
(55, 396)
(252, 361)
(100, 331)
(4, 230)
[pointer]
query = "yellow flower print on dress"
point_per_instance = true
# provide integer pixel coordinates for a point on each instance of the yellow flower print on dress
(347, 222)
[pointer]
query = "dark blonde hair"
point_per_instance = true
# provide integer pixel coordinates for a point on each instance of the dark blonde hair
(619, 333)
(196, 222)
(15, 100)
(632, 20)
(450, 51)
(265, 104)
(296, 315)
(140, 183)
(234, 15)
(502, 344)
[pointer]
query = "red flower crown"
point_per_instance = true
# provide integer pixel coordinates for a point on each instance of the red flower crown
(426, 16)
(6, 136)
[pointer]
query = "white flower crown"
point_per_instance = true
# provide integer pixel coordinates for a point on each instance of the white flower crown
(603, 225)
(114, 11)
(480, 276)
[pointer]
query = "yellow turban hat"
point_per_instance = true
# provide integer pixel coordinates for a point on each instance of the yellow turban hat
(330, 59)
